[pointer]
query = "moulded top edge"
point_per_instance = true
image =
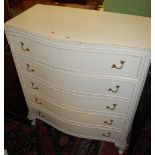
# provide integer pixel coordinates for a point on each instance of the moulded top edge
(86, 26)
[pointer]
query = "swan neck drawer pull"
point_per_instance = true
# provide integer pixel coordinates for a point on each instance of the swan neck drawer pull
(22, 47)
(34, 86)
(109, 123)
(114, 66)
(113, 108)
(40, 115)
(114, 91)
(28, 68)
(106, 135)
(36, 100)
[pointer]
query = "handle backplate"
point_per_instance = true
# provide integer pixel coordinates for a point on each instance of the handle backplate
(40, 115)
(24, 49)
(118, 67)
(114, 91)
(28, 68)
(109, 123)
(106, 135)
(33, 86)
(36, 100)
(111, 108)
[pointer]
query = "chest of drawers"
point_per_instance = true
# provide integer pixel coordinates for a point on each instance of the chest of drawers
(81, 71)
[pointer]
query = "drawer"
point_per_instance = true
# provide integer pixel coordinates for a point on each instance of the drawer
(76, 129)
(81, 61)
(81, 102)
(73, 115)
(76, 83)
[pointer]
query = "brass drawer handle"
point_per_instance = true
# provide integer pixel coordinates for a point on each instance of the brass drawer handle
(36, 100)
(34, 86)
(114, 91)
(22, 47)
(113, 108)
(40, 115)
(114, 66)
(109, 123)
(106, 135)
(28, 68)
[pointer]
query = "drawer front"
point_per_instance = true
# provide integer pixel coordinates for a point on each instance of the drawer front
(76, 83)
(81, 102)
(76, 129)
(76, 116)
(81, 61)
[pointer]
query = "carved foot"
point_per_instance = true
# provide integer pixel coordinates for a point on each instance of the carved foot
(121, 151)
(33, 122)
(32, 118)
(121, 148)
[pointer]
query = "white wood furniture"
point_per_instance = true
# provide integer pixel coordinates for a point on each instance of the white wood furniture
(82, 71)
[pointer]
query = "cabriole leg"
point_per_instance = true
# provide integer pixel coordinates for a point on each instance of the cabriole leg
(32, 118)
(121, 151)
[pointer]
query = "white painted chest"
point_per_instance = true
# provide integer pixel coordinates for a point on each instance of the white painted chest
(81, 71)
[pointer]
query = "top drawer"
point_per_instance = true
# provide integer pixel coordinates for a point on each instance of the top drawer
(81, 61)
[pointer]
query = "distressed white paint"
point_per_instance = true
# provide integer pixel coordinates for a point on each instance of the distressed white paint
(71, 52)
(90, 25)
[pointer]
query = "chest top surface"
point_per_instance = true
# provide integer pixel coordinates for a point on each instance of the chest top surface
(80, 25)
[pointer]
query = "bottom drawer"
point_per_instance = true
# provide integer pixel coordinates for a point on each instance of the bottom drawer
(76, 129)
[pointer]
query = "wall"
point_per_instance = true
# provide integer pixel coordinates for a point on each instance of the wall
(136, 7)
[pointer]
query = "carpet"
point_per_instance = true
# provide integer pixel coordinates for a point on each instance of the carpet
(42, 139)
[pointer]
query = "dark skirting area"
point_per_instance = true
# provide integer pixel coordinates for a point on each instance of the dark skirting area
(42, 139)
